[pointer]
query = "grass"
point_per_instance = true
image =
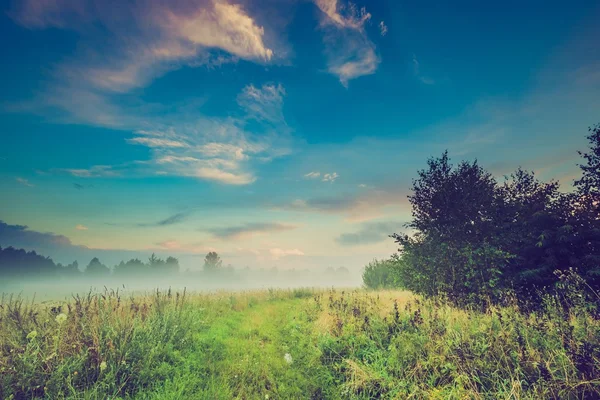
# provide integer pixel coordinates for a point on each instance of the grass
(292, 344)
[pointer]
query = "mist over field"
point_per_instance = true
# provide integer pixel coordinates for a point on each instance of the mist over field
(29, 275)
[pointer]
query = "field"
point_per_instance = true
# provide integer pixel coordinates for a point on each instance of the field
(292, 344)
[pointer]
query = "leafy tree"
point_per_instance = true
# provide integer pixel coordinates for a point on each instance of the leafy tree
(475, 239)
(455, 218)
(381, 274)
(585, 216)
(96, 269)
(172, 266)
(131, 268)
(18, 263)
(70, 271)
(156, 263)
(212, 262)
(589, 183)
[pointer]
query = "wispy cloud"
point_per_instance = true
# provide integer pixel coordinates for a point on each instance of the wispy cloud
(171, 220)
(96, 171)
(383, 29)
(361, 206)
(222, 149)
(330, 177)
(369, 233)
(277, 253)
(249, 230)
(182, 247)
(327, 177)
(24, 182)
(80, 227)
(156, 142)
(80, 186)
(350, 53)
(146, 39)
(127, 48)
(418, 74)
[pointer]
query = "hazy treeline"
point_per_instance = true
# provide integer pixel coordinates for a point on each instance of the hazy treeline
(18, 266)
(477, 240)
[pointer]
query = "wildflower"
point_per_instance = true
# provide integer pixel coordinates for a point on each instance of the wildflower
(103, 366)
(60, 318)
(288, 358)
(32, 335)
(75, 373)
(266, 396)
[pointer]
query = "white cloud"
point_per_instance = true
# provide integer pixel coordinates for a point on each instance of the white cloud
(180, 247)
(24, 182)
(349, 51)
(225, 26)
(265, 103)
(219, 175)
(277, 253)
(313, 175)
(95, 171)
(383, 29)
(330, 177)
(417, 72)
(221, 149)
(80, 227)
(146, 39)
(156, 142)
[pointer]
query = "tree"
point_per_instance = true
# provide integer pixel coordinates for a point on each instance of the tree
(172, 266)
(381, 274)
(455, 217)
(18, 263)
(96, 269)
(71, 270)
(475, 239)
(585, 216)
(131, 268)
(589, 183)
(212, 262)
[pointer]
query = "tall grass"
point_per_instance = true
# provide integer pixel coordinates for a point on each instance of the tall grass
(295, 344)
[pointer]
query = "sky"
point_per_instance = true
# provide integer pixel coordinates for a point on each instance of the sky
(276, 132)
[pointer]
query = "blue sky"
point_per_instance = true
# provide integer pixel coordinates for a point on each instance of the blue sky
(278, 133)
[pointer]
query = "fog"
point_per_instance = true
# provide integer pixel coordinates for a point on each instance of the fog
(62, 288)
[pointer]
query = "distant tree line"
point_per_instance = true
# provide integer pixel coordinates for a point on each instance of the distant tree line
(22, 265)
(476, 239)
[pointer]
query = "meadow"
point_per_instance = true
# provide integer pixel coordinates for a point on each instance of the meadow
(294, 344)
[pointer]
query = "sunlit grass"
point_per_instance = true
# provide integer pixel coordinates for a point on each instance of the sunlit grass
(289, 344)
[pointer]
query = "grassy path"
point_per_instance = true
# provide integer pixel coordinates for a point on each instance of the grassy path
(241, 354)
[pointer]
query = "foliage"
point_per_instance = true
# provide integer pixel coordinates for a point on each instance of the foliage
(382, 274)
(212, 262)
(476, 240)
(96, 269)
(18, 263)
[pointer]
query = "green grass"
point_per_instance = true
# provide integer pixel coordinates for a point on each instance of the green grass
(342, 344)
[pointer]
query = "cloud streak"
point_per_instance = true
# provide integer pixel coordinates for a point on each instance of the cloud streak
(361, 206)
(369, 233)
(350, 53)
(249, 229)
(24, 182)
(146, 39)
(171, 220)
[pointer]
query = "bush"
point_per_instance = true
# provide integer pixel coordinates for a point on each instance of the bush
(382, 274)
